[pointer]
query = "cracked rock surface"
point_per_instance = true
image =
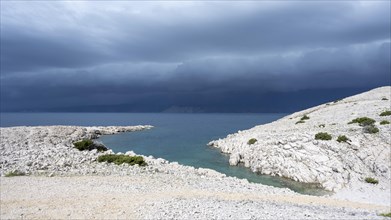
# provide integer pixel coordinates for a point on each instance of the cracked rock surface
(289, 149)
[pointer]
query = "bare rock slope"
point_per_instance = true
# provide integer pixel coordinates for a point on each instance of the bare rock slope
(288, 147)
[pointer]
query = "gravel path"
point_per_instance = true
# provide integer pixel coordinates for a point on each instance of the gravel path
(165, 196)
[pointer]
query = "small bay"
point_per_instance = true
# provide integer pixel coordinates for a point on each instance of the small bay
(175, 137)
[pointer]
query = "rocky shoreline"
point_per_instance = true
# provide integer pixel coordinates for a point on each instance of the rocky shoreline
(63, 182)
(288, 147)
(49, 150)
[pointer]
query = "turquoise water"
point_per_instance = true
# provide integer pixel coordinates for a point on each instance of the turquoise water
(175, 137)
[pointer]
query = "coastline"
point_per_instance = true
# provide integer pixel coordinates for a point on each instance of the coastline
(288, 148)
(173, 190)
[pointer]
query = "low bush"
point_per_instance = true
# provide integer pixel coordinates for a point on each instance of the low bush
(384, 98)
(89, 145)
(15, 173)
(322, 125)
(323, 136)
(386, 214)
(384, 122)
(363, 121)
(299, 122)
(342, 138)
(305, 117)
(120, 159)
(371, 180)
(252, 141)
(385, 113)
(371, 129)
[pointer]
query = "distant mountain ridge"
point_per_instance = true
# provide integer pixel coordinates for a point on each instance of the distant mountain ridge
(271, 102)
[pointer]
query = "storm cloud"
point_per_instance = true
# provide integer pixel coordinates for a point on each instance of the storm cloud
(202, 56)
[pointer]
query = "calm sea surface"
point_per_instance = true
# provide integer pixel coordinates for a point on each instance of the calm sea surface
(175, 137)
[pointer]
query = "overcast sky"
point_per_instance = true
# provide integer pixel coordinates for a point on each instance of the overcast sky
(206, 56)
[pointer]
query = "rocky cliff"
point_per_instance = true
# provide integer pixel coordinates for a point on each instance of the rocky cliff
(289, 147)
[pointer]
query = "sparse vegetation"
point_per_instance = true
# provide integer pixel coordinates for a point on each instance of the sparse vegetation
(120, 159)
(89, 145)
(15, 173)
(371, 180)
(252, 141)
(384, 122)
(342, 138)
(323, 136)
(386, 214)
(385, 113)
(299, 122)
(367, 123)
(371, 129)
(363, 121)
(384, 98)
(305, 117)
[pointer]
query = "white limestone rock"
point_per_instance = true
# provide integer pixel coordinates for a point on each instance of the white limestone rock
(288, 146)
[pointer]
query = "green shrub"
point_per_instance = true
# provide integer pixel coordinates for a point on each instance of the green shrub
(342, 138)
(384, 122)
(385, 113)
(252, 141)
(386, 214)
(371, 180)
(120, 159)
(89, 145)
(305, 117)
(384, 98)
(323, 136)
(371, 129)
(364, 121)
(15, 173)
(299, 122)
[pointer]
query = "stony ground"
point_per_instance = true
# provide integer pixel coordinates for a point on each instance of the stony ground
(289, 149)
(165, 196)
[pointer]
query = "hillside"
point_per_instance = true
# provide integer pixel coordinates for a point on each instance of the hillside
(288, 147)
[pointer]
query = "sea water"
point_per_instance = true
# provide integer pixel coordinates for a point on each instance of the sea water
(175, 137)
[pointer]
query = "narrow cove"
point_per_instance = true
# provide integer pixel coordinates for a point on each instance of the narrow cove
(183, 138)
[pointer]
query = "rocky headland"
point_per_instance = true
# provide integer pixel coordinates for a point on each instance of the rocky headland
(342, 162)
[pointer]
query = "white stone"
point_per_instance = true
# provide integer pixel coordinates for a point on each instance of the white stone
(332, 164)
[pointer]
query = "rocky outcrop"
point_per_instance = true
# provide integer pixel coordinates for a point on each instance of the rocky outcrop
(289, 149)
(49, 151)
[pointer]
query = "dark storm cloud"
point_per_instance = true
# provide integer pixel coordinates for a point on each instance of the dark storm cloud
(282, 28)
(22, 51)
(149, 56)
